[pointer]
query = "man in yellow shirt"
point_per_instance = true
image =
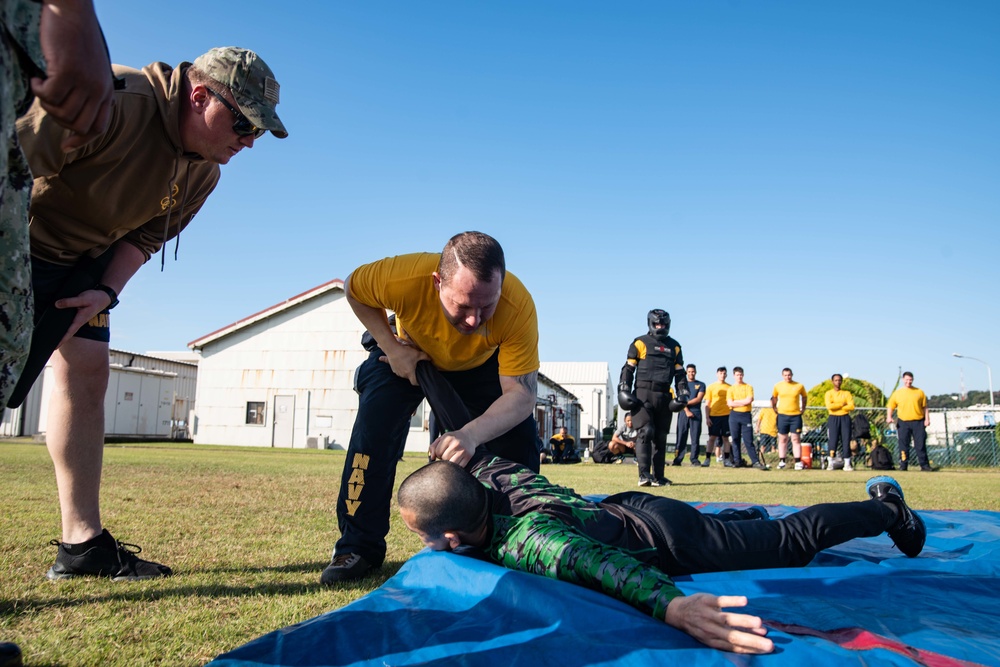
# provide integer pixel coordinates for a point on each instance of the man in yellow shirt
(914, 418)
(789, 400)
(839, 403)
(740, 421)
(767, 428)
(475, 322)
(717, 417)
(563, 447)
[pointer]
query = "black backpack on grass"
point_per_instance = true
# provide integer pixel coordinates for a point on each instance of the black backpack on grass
(881, 458)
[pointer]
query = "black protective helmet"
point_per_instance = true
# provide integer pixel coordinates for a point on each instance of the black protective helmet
(655, 317)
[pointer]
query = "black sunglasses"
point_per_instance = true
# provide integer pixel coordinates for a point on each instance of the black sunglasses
(242, 125)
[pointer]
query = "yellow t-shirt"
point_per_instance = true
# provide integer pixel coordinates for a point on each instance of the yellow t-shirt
(738, 392)
(838, 403)
(715, 399)
(405, 285)
(788, 397)
(909, 403)
(768, 422)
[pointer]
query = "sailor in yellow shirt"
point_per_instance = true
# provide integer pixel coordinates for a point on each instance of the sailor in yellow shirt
(789, 400)
(717, 416)
(914, 418)
(740, 421)
(462, 311)
(767, 428)
(839, 403)
(563, 447)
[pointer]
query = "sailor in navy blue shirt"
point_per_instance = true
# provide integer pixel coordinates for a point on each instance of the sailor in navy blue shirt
(689, 420)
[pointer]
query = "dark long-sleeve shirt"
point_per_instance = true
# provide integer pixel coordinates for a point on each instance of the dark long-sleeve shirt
(545, 529)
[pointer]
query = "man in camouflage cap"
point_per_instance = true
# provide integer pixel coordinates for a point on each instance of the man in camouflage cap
(100, 212)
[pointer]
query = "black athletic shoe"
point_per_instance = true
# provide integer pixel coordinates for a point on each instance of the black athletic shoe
(909, 532)
(661, 481)
(706, 462)
(676, 462)
(926, 469)
(696, 463)
(759, 466)
(10, 655)
(345, 567)
(754, 513)
(107, 557)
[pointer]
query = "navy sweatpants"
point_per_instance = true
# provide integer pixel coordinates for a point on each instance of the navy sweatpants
(385, 404)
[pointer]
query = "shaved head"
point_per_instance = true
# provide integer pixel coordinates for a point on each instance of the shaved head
(443, 496)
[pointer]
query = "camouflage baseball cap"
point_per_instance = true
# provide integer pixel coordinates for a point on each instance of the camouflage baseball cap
(251, 81)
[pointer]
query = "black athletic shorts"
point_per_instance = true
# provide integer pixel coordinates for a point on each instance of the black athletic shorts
(46, 279)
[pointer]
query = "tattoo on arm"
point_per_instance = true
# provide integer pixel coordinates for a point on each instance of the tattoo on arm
(528, 381)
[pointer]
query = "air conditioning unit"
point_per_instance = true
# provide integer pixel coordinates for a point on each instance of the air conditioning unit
(312, 442)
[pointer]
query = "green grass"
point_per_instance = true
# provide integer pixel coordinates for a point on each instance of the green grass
(248, 531)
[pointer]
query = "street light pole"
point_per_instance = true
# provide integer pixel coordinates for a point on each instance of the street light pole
(989, 373)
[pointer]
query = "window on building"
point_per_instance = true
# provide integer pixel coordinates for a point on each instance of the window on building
(255, 412)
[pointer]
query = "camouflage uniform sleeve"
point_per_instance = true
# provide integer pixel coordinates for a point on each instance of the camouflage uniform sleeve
(541, 544)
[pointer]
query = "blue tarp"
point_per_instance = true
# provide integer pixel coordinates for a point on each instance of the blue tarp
(860, 603)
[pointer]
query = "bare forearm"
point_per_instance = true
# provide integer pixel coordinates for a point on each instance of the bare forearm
(127, 259)
(515, 404)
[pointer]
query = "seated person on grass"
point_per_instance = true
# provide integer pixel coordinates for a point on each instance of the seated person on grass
(622, 443)
(563, 447)
(630, 544)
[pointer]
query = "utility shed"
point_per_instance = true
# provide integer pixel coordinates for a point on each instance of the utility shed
(148, 397)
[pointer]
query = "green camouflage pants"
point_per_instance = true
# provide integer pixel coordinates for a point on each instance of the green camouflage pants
(16, 303)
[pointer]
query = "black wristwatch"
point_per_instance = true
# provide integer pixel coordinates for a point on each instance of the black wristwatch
(111, 293)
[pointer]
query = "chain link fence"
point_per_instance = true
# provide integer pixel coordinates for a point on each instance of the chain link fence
(965, 438)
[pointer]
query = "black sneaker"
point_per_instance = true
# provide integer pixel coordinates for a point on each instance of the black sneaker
(696, 463)
(345, 567)
(759, 466)
(645, 481)
(909, 532)
(754, 513)
(107, 557)
(676, 462)
(706, 462)
(661, 481)
(10, 655)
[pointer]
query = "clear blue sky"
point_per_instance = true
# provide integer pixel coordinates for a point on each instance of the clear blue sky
(804, 184)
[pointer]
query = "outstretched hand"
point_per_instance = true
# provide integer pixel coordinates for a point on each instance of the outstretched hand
(701, 616)
(78, 89)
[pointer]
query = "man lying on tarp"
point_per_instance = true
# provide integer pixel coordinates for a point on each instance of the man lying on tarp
(630, 544)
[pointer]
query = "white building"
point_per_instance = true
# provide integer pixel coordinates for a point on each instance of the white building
(284, 377)
(590, 382)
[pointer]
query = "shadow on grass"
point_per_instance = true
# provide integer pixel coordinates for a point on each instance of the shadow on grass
(125, 592)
